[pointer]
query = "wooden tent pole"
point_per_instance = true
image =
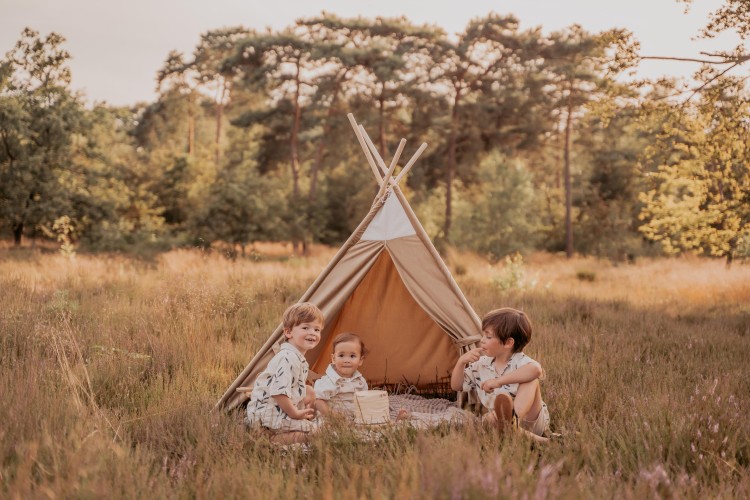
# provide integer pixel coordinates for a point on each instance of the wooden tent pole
(373, 149)
(411, 162)
(394, 162)
(355, 126)
(377, 156)
(379, 159)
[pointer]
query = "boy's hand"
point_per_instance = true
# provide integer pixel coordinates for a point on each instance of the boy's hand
(471, 356)
(306, 414)
(309, 398)
(491, 384)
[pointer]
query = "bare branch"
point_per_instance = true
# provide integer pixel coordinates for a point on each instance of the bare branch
(687, 59)
(722, 59)
(711, 80)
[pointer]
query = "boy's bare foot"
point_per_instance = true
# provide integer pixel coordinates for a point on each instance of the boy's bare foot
(403, 414)
(504, 412)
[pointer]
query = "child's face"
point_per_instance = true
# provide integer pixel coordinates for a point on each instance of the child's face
(304, 336)
(493, 346)
(347, 358)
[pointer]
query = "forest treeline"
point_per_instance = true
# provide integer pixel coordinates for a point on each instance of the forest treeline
(535, 141)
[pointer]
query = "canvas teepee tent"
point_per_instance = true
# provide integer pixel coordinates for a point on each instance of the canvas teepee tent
(388, 284)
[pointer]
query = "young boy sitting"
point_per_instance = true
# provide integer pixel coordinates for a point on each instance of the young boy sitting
(506, 380)
(281, 401)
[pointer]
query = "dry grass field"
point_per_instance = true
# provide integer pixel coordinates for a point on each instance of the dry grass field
(109, 367)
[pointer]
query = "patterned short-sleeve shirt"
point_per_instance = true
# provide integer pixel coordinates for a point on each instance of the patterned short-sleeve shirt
(484, 369)
(339, 391)
(285, 375)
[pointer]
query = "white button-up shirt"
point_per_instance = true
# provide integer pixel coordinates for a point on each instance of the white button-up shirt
(339, 391)
(484, 369)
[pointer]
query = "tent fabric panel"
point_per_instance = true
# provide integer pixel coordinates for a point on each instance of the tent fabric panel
(406, 345)
(329, 295)
(390, 222)
(430, 288)
(342, 282)
(430, 248)
(346, 276)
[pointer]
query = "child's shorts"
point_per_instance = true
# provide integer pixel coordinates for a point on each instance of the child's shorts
(540, 426)
(281, 423)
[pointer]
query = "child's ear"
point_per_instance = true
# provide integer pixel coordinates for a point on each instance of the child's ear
(510, 342)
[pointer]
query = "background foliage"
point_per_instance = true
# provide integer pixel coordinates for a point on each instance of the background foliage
(536, 142)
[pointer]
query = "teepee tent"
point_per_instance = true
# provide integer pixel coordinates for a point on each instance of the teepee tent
(389, 285)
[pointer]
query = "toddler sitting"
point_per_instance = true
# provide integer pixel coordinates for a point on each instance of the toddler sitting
(335, 390)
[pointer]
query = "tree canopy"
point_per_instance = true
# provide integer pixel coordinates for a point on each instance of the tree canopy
(536, 141)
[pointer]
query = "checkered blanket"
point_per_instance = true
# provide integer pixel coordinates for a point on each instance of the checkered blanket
(426, 413)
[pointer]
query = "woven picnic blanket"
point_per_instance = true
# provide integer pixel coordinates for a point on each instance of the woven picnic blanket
(424, 412)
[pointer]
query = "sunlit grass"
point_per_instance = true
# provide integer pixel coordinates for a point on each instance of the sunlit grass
(109, 367)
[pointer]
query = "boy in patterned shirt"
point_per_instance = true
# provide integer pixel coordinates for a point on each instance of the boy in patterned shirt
(281, 401)
(506, 380)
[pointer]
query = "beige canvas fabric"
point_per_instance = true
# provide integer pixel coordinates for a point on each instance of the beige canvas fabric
(406, 345)
(397, 294)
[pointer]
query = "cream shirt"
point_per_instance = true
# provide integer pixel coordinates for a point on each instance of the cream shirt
(339, 391)
(484, 369)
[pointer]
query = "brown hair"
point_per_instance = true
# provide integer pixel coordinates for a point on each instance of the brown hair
(302, 312)
(349, 337)
(508, 323)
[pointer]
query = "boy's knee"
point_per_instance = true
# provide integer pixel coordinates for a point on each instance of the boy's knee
(523, 405)
(528, 387)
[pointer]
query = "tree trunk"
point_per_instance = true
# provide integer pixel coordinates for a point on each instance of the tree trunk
(311, 195)
(566, 175)
(730, 254)
(381, 127)
(219, 118)
(17, 234)
(451, 168)
(295, 156)
(191, 129)
(559, 153)
(321, 146)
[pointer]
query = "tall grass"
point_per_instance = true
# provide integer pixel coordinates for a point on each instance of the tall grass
(109, 368)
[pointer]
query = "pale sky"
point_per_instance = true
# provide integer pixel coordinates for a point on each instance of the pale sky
(118, 46)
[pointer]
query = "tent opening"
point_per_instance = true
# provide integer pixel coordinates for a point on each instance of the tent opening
(407, 347)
